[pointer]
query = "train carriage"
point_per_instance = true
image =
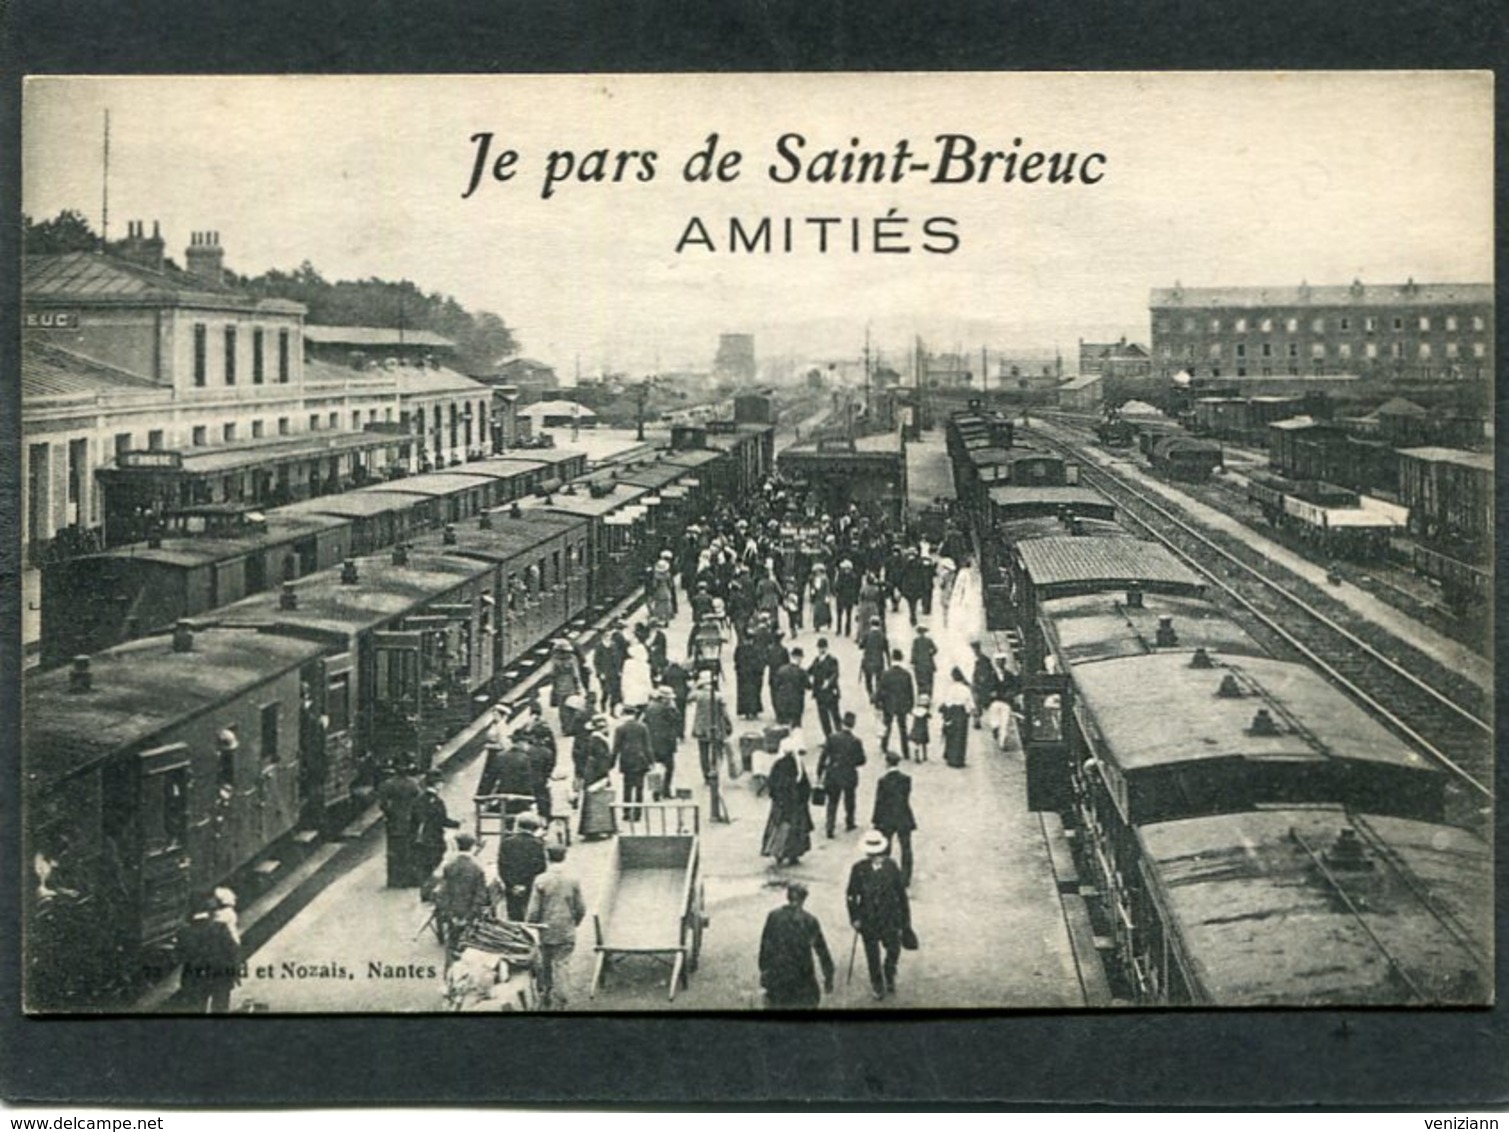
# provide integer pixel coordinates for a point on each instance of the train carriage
(457, 495)
(379, 518)
(151, 771)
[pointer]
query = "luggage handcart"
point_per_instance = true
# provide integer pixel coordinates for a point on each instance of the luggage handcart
(654, 904)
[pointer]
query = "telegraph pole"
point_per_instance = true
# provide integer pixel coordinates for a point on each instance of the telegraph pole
(105, 190)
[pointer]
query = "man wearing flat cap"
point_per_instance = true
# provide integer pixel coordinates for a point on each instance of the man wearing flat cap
(521, 858)
(430, 823)
(879, 911)
(792, 936)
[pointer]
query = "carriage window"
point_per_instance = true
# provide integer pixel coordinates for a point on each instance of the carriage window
(555, 568)
(175, 806)
(270, 734)
(338, 702)
(227, 768)
(513, 593)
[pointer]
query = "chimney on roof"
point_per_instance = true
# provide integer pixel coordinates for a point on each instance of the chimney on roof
(139, 248)
(205, 258)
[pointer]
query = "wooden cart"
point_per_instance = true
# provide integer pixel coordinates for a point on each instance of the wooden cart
(654, 904)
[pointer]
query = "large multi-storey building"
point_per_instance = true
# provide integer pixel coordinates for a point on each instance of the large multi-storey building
(1410, 331)
(146, 388)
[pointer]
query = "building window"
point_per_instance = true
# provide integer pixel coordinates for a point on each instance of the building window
(1451, 349)
(1424, 323)
(314, 422)
(1215, 349)
(1241, 371)
(1267, 350)
(201, 436)
(1372, 350)
(1477, 322)
(387, 415)
(371, 416)
(1344, 350)
(201, 353)
(257, 360)
(1370, 325)
(122, 443)
(1241, 326)
(1345, 324)
(1294, 349)
(1215, 326)
(1318, 326)
(38, 479)
(1318, 350)
(78, 457)
(228, 431)
(282, 426)
(256, 430)
(1292, 326)
(335, 420)
(1267, 326)
(1241, 349)
(1424, 351)
(1398, 323)
(230, 355)
(1293, 369)
(1396, 349)
(1451, 322)
(1479, 350)
(356, 420)
(282, 357)
(1215, 371)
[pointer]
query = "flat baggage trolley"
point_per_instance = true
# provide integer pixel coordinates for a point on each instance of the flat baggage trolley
(653, 904)
(494, 810)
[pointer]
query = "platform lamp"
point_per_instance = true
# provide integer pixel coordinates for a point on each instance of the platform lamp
(707, 649)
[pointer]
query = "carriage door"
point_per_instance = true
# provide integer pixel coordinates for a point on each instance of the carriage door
(396, 702)
(163, 798)
(337, 739)
(1047, 702)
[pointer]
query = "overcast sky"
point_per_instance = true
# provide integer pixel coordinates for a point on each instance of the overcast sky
(1211, 179)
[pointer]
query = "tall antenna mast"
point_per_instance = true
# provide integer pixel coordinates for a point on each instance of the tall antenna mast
(105, 191)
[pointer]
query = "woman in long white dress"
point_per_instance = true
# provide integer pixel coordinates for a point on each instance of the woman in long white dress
(636, 681)
(965, 619)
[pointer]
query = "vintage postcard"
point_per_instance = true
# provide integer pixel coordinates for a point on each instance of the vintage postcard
(757, 542)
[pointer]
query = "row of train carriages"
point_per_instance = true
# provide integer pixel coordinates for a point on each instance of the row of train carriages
(1229, 828)
(214, 708)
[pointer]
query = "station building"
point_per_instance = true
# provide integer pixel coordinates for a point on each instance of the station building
(148, 390)
(1408, 331)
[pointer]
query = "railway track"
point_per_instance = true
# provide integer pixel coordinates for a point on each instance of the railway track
(1453, 727)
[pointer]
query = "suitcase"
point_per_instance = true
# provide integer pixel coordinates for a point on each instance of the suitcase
(749, 743)
(654, 783)
(773, 737)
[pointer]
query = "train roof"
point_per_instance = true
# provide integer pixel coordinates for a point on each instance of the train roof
(495, 467)
(141, 687)
(586, 504)
(1066, 564)
(509, 536)
(1010, 495)
(1481, 461)
(1024, 527)
(383, 591)
(193, 550)
(656, 475)
(1156, 710)
(435, 484)
(362, 503)
(694, 457)
(1415, 923)
(1092, 627)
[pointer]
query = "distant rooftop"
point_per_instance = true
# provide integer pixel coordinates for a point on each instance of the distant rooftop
(374, 336)
(1356, 294)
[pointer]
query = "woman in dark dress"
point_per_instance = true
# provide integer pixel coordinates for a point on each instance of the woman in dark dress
(788, 832)
(956, 707)
(749, 674)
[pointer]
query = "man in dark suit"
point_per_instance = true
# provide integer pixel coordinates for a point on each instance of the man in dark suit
(823, 676)
(838, 770)
(521, 858)
(663, 722)
(463, 890)
(633, 757)
(879, 911)
(924, 661)
(897, 695)
(510, 770)
(430, 823)
(396, 796)
(788, 691)
(893, 811)
(791, 937)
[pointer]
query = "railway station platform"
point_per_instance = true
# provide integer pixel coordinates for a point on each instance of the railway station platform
(986, 903)
(1439, 647)
(929, 476)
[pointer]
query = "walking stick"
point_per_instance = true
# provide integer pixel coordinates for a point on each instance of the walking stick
(853, 950)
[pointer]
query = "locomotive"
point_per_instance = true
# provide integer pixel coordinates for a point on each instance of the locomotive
(221, 748)
(1251, 835)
